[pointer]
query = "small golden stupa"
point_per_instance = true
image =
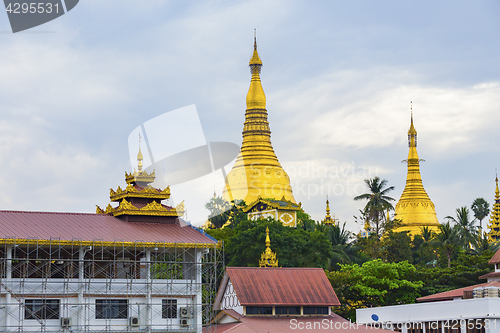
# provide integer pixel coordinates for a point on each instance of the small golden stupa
(257, 173)
(328, 219)
(494, 225)
(268, 258)
(415, 209)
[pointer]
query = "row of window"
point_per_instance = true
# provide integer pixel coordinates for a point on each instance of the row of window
(287, 310)
(104, 308)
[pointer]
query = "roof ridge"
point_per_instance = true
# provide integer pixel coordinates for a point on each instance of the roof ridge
(43, 212)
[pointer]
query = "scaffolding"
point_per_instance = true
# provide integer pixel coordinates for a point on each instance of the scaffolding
(96, 286)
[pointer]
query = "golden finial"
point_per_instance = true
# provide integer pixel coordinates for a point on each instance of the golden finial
(268, 258)
(139, 156)
(328, 219)
(255, 39)
(255, 62)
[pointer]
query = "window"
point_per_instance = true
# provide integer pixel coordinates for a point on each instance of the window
(111, 308)
(283, 310)
(257, 310)
(312, 310)
(41, 309)
(169, 308)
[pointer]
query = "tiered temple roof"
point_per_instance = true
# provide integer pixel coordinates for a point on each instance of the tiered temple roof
(139, 201)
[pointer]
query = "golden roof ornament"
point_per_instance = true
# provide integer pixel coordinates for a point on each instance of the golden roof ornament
(139, 198)
(414, 208)
(328, 219)
(268, 258)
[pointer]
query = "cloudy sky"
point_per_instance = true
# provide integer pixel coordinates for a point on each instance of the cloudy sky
(338, 75)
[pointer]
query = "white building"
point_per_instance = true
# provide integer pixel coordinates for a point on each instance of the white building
(136, 267)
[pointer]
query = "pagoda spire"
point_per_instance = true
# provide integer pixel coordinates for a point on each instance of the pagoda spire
(494, 225)
(257, 171)
(268, 257)
(328, 219)
(415, 209)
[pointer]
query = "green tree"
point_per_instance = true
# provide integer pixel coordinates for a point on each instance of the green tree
(294, 247)
(466, 230)
(375, 283)
(422, 249)
(345, 251)
(218, 208)
(396, 246)
(481, 209)
(464, 271)
(447, 240)
(378, 201)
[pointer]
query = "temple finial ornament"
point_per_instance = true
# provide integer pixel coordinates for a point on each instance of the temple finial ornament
(268, 258)
(139, 156)
(328, 219)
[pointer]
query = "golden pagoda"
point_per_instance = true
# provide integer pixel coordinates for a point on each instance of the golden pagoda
(328, 219)
(415, 209)
(139, 201)
(268, 258)
(257, 173)
(494, 225)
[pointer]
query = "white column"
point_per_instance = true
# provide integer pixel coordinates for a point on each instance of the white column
(81, 286)
(8, 280)
(148, 291)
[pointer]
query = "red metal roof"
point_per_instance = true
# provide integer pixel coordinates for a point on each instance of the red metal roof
(281, 324)
(489, 275)
(455, 293)
(280, 286)
(496, 258)
(93, 227)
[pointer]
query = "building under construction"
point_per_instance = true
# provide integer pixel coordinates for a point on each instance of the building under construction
(134, 267)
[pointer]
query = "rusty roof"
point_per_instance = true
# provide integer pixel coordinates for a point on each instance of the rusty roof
(496, 258)
(279, 286)
(281, 324)
(455, 293)
(84, 227)
(489, 275)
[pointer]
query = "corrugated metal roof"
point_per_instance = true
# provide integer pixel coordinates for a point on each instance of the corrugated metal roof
(455, 293)
(282, 286)
(496, 258)
(489, 275)
(264, 324)
(92, 227)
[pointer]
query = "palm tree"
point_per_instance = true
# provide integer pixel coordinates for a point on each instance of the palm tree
(447, 239)
(466, 230)
(218, 208)
(481, 209)
(426, 251)
(378, 201)
(427, 233)
(483, 244)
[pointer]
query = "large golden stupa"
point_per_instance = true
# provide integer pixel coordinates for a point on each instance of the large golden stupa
(415, 209)
(257, 171)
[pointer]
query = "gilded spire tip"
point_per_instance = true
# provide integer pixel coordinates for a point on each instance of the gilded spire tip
(139, 155)
(255, 39)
